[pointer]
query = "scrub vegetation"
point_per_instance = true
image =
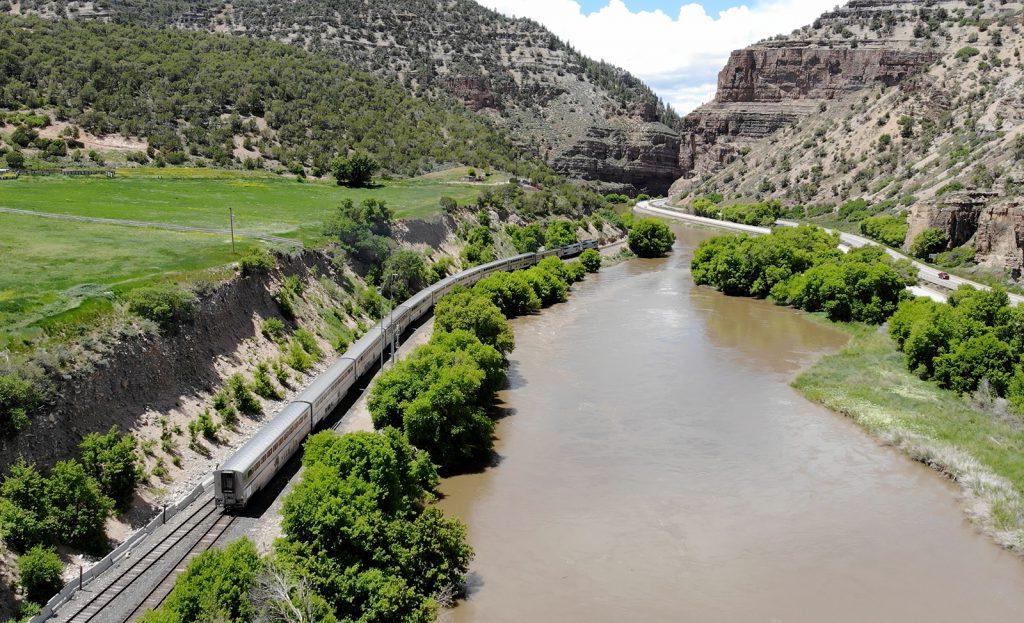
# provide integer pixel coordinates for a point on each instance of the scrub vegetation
(803, 267)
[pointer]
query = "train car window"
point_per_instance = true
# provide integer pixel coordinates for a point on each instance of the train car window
(227, 482)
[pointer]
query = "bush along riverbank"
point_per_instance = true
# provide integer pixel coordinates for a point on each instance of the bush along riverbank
(362, 541)
(944, 382)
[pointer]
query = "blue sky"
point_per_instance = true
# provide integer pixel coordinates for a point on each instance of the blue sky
(676, 46)
(668, 6)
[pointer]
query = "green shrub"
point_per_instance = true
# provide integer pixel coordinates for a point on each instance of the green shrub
(526, 239)
(650, 238)
(591, 260)
(281, 373)
(18, 397)
(404, 273)
(289, 295)
(575, 271)
(929, 242)
(549, 287)
(242, 395)
(228, 415)
(262, 383)
(272, 328)
(560, 234)
(39, 573)
(887, 229)
(203, 426)
(967, 52)
(256, 261)
(167, 305)
(309, 343)
(77, 508)
(113, 461)
(473, 311)
(297, 358)
(511, 292)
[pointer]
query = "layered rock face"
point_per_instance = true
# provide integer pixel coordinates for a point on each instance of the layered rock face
(1000, 237)
(771, 85)
(993, 225)
(795, 70)
(641, 155)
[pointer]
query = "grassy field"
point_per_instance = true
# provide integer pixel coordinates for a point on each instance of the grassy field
(64, 264)
(201, 197)
(57, 269)
(981, 450)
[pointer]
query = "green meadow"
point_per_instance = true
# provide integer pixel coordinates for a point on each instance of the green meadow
(55, 270)
(202, 197)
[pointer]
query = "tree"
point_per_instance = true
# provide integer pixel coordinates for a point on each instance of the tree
(980, 357)
(526, 239)
(77, 509)
(549, 287)
(929, 242)
(23, 509)
(511, 292)
(439, 395)
(474, 312)
(113, 461)
(404, 273)
(362, 231)
(18, 397)
(885, 228)
(281, 597)
(355, 171)
(560, 234)
(23, 136)
(402, 476)
(591, 260)
(15, 159)
(39, 573)
(215, 586)
(650, 238)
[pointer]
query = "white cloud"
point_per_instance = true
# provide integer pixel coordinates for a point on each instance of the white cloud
(678, 56)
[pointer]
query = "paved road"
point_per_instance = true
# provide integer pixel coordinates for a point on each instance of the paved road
(926, 274)
(153, 225)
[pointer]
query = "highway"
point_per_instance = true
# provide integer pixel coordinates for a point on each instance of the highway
(927, 274)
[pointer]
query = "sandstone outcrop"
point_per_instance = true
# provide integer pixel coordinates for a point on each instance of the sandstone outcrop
(771, 85)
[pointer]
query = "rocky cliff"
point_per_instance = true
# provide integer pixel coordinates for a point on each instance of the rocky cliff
(588, 119)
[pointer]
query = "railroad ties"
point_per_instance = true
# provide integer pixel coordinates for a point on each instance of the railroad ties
(157, 564)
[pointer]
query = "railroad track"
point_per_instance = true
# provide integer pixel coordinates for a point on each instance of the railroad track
(162, 589)
(97, 607)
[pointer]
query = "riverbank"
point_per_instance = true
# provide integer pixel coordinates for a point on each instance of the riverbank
(979, 448)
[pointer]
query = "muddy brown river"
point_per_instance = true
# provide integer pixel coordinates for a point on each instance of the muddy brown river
(655, 465)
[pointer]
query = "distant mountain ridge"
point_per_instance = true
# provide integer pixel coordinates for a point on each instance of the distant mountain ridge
(587, 119)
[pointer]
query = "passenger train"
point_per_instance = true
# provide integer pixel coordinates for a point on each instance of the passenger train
(255, 464)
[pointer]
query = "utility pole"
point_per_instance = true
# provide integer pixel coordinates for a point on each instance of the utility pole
(231, 216)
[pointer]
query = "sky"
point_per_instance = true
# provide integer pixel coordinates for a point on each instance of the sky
(676, 46)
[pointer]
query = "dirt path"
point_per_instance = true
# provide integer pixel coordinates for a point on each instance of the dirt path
(154, 225)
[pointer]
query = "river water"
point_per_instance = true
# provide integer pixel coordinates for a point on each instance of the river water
(655, 465)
